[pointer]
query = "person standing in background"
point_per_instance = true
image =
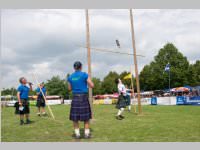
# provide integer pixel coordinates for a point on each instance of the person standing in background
(40, 99)
(22, 96)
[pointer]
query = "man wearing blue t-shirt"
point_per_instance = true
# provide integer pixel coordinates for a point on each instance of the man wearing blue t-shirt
(40, 99)
(80, 110)
(22, 95)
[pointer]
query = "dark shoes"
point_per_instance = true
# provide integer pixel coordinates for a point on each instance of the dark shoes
(28, 121)
(78, 137)
(120, 117)
(21, 122)
(87, 136)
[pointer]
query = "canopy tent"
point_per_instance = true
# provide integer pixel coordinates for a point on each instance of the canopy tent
(182, 89)
(189, 87)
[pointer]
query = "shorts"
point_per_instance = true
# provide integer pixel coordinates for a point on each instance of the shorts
(40, 102)
(25, 104)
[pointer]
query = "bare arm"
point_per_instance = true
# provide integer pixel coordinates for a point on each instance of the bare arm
(69, 86)
(18, 97)
(90, 83)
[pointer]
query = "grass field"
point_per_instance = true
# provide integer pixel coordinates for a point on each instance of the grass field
(157, 123)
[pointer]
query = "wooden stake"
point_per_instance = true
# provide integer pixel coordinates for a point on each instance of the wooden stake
(89, 58)
(49, 108)
(134, 106)
(135, 63)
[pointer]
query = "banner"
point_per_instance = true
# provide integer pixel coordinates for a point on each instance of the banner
(194, 100)
(67, 101)
(107, 101)
(186, 100)
(180, 100)
(54, 102)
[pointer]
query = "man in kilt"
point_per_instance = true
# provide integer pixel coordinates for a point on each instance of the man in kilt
(121, 103)
(80, 110)
(40, 99)
(22, 106)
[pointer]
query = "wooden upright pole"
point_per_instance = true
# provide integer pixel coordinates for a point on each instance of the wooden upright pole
(134, 106)
(89, 57)
(135, 63)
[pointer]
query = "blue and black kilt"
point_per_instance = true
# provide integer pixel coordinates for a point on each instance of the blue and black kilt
(128, 100)
(80, 108)
(25, 104)
(121, 103)
(40, 101)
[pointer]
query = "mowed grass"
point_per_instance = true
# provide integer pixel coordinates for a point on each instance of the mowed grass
(157, 123)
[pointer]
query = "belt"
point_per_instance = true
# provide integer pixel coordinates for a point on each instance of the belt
(24, 99)
(80, 94)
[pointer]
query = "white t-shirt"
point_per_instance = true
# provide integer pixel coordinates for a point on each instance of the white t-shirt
(121, 89)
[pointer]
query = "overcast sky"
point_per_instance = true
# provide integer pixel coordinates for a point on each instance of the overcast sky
(46, 42)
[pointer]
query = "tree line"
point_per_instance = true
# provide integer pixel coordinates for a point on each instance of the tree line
(152, 76)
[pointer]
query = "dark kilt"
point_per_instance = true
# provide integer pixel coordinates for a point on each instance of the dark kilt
(80, 108)
(25, 104)
(128, 100)
(121, 103)
(40, 101)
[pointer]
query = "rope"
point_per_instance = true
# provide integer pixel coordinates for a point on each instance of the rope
(110, 51)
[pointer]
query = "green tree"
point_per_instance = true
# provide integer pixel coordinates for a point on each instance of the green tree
(146, 78)
(9, 91)
(197, 69)
(194, 74)
(153, 77)
(97, 86)
(57, 86)
(108, 85)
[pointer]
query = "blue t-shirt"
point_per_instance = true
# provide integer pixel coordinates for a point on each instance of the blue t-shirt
(78, 81)
(43, 90)
(24, 90)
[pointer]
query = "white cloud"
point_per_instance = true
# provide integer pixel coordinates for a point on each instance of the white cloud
(46, 41)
